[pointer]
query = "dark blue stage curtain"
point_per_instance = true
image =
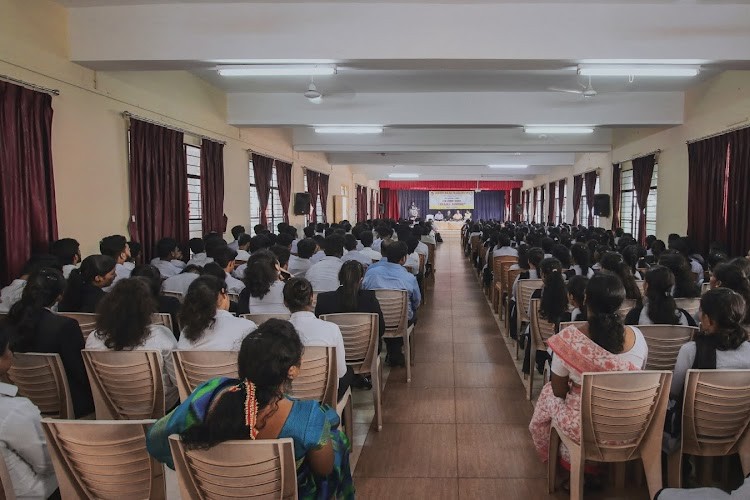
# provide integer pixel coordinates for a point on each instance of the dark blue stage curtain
(489, 205)
(420, 198)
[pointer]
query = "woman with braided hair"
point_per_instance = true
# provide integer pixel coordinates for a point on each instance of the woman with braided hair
(255, 407)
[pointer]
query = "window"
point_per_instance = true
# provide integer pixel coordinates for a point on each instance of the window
(629, 205)
(274, 212)
(195, 211)
(538, 205)
(318, 206)
(527, 207)
(583, 210)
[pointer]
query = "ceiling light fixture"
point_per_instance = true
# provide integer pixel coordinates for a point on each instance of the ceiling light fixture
(348, 129)
(508, 166)
(277, 70)
(638, 70)
(403, 176)
(558, 129)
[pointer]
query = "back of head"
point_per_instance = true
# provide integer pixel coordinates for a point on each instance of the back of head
(411, 243)
(334, 246)
(577, 289)
(213, 245)
(66, 250)
(726, 309)
(366, 237)
(258, 243)
(503, 240)
(298, 294)
(732, 277)
(547, 244)
(581, 256)
(309, 231)
(282, 254)
(561, 253)
(259, 228)
(536, 255)
(165, 247)
(150, 275)
(604, 296)
(224, 256)
(43, 288)
(199, 307)
(384, 231)
(350, 242)
(237, 231)
(661, 304)
(284, 239)
(395, 251)
(261, 273)
(214, 269)
(680, 245)
(684, 283)
(554, 296)
(612, 261)
(244, 239)
(113, 246)
(350, 277)
(197, 245)
(306, 248)
(124, 314)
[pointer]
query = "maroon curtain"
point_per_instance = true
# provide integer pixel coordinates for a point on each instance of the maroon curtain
(589, 179)
(643, 169)
(313, 180)
(561, 200)
(738, 193)
(540, 216)
(708, 165)
(577, 192)
(284, 179)
(263, 169)
(364, 206)
(28, 218)
(551, 203)
(158, 185)
(212, 187)
(323, 192)
(616, 195)
(533, 205)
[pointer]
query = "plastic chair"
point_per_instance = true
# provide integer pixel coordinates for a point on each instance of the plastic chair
(715, 419)
(393, 303)
(164, 319)
(233, 469)
(317, 378)
(639, 284)
(526, 289)
(664, 342)
(498, 263)
(87, 322)
(41, 378)
(192, 368)
(577, 324)
(259, 319)
(509, 280)
(541, 330)
(126, 385)
(6, 486)
(360, 332)
(692, 305)
(177, 295)
(234, 297)
(705, 287)
(100, 459)
(625, 308)
(622, 419)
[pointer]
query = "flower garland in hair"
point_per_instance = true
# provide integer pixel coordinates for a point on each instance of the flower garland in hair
(251, 406)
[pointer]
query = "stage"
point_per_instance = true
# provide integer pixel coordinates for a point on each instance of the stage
(447, 225)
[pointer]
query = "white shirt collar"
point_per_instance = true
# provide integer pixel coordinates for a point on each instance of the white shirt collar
(303, 313)
(8, 390)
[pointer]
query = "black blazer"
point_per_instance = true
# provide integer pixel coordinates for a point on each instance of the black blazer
(61, 335)
(367, 302)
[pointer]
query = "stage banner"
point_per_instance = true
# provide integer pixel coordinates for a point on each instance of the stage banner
(451, 200)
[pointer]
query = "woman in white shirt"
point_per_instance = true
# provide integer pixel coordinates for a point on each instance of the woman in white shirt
(207, 324)
(22, 440)
(123, 323)
(263, 293)
(582, 260)
(659, 308)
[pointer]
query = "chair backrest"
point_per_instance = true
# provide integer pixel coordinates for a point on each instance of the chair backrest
(705, 287)
(41, 378)
(541, 329)
(525, 291)
(690, 305)
(502, 276)
(164, 319)
(422, 261)
(233, 469)
(639, 284)
(510, 278)
(99, 459)
(177, 295)
(577, 324)
(431, 253)
(497, 266)
(625, 308)
(259, 319)
(234, 297)
(317, 377)
(192, 368)
(619, 410)
(393, 304)
(126, 385)
(664, 342)
(87, 322)
(715, 416)
(6, 486)
(360, 332)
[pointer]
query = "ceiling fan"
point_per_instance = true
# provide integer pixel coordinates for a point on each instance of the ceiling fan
(588, 90)
(312, 94)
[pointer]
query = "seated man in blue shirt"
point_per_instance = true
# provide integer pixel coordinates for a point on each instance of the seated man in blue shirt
(390, 273)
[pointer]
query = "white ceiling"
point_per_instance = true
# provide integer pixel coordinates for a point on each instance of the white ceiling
(452, 81)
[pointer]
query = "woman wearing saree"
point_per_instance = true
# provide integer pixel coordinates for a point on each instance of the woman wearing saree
(255, 407)
(603, 345)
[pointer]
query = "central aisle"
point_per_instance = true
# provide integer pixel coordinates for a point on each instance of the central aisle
(459, 430)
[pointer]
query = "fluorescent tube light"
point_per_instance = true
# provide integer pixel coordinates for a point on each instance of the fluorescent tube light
(403, 176)
(349, 129)
(558, 129)
(507, 166)
(639, 70)
(277, 70)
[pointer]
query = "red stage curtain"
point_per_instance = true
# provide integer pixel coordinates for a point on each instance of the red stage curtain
(284, 178)
(589, 179)
(28, 218)
(577, 192)
(313, 180)
(561, 201)
(158, 185)
(616, 195)
(263, 169)
(323, 192)
(390, 198)
(212, 187)
(643, 169)
(551, 203)
(450, 185)
(738, 189)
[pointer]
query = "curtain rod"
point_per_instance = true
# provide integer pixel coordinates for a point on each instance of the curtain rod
(32, 86)
(738, 126)
(128, 114)
(270, 156)
(640, 155)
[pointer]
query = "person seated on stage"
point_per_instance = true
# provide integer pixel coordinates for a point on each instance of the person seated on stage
(467, 215)
(68, 251)
(448, 215)
(457, 216)
(169, 261)
(116, 246)
(439, 215)
(198, 249)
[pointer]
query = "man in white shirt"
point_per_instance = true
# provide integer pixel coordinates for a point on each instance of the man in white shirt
(242, 251)
(224, 257)
(385, 234)
(68, 252)
(116, 246)
(236, 232)
(168, 262)
(300, 263)
(324, 275)
(366, 237)
(24, 445)
(198, 250)
(181, 282)
(350, 244)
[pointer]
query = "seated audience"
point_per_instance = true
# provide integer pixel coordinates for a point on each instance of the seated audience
(366, 237)
(350, 245)
(198, 250)
(180, 283)
(217, 411)
(86, 285)
(124, 323)
(603, 344)
(12, 293)
(243, 244)
(35, 328)
(116, 246)
(168, 258)
(166, 304)
(300, 263)
(324, 275)
(613, 263)
(135, 254)
(685, 285)
(24, 445)
(659, 308)
(581, 260)
(731, 276)
(68, 252)
(264, 291)
(224, 257)
(282, 254)
(207, 324)
(237, 231)
(315, 332)
(576, 287)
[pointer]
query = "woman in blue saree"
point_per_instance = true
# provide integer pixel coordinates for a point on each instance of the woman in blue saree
(255, 407)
